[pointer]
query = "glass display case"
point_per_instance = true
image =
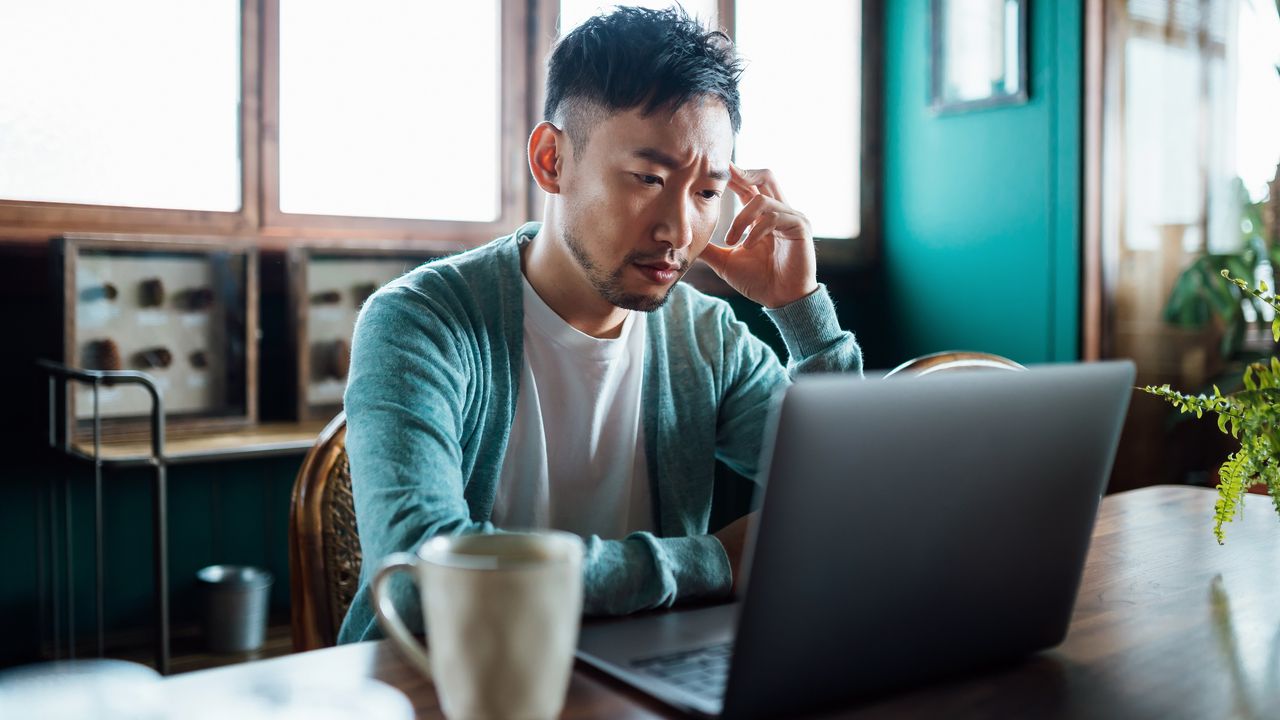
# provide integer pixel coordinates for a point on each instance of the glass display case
(182, 310)
(328, 286)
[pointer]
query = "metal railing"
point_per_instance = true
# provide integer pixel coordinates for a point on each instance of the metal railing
(61, 439)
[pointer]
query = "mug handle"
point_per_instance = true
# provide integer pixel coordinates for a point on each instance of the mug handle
(389, 618)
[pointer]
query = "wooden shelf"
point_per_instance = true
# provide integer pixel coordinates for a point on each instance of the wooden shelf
(262, 440)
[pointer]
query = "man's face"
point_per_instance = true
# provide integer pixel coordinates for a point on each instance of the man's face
(642, 200)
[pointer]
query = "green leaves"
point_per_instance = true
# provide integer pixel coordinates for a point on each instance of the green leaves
(1254, 463)
(1259, 293)
(1251, 415)
(1198, 295)
(1232, 484)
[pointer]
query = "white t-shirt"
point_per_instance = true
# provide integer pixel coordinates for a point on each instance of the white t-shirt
(575, 460)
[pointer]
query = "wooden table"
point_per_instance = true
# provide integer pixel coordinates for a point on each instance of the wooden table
(1168, 624)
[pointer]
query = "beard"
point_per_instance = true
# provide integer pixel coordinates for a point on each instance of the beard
(609, 284)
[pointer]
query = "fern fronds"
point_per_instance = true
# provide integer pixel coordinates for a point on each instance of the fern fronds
(1197, 404)
(1234, 479)
(1251, 415)
(1245, 415)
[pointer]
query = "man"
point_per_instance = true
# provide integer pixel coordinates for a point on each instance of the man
(561, 377)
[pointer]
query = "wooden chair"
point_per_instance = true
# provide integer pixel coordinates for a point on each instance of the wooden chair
(952, 360)
(324, 547)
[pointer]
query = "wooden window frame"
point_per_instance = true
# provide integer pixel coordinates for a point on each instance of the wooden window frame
(1107, 28)
(513, 184)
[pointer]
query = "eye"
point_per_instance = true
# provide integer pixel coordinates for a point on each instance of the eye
(648, 179)
(710, 194)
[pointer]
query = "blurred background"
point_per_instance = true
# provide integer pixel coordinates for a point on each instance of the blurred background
(1047, 181)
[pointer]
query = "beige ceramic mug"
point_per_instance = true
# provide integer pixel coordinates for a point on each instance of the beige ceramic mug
(502, 614)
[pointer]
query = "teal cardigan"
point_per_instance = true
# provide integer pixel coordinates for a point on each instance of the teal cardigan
(435, 365)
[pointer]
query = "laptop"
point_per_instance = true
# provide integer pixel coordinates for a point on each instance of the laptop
(910, 529)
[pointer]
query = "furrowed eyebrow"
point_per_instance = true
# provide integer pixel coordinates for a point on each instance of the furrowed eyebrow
(658, 157)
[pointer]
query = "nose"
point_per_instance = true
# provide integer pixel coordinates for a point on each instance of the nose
(675, 226)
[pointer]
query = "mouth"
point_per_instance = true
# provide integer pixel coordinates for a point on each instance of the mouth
(661, 273)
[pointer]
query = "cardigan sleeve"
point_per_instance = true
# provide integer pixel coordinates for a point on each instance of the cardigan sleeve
(753, 376)
(405, 399)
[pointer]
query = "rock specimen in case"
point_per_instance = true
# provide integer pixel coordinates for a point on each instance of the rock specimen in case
(101, 354)
(156, 357)
(105, 291)
(339, 359)
(199, 359)
(151, 293)
(361, 292)
(195, 299)
(330, 359)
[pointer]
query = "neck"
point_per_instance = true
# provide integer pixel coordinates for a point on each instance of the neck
(562, 284)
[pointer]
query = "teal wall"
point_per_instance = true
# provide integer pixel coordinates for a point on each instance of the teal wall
(981, 247)
(233, 512)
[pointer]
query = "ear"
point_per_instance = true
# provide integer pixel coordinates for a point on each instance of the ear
(548, 146)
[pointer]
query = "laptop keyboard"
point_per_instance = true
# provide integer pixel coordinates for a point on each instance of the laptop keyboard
(701, 671)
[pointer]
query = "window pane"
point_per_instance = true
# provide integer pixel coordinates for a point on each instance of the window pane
(1161, 115)
(574, 12)
(390, 108)
(801, 94)
(1257, 143)
(132, 102)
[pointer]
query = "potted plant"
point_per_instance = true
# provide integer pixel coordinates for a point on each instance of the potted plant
(1251, 415)
(1199, 297)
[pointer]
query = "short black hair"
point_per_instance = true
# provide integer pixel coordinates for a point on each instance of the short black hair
(639, 58)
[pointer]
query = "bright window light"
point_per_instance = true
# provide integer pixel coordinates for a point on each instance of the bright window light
(800, 105)
(133, 103)
(391, 108)
(574, 12)
(1258, 96)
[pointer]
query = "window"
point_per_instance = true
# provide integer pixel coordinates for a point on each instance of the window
(574, 12)
(392, 111)
(136, 104)
(801, 102)
(397, 118)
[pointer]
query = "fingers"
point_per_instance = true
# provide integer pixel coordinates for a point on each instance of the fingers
(716, 257)
(791, 223)
(765, 225)
(740, 187)
(762, 181)
(750, 211)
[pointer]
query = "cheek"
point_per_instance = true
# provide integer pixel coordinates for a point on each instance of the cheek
(705, 227)
(609, 201)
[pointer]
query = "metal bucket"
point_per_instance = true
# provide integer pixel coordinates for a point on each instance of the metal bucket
(235, 606)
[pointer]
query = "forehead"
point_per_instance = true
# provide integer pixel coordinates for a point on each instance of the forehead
(700, 129)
